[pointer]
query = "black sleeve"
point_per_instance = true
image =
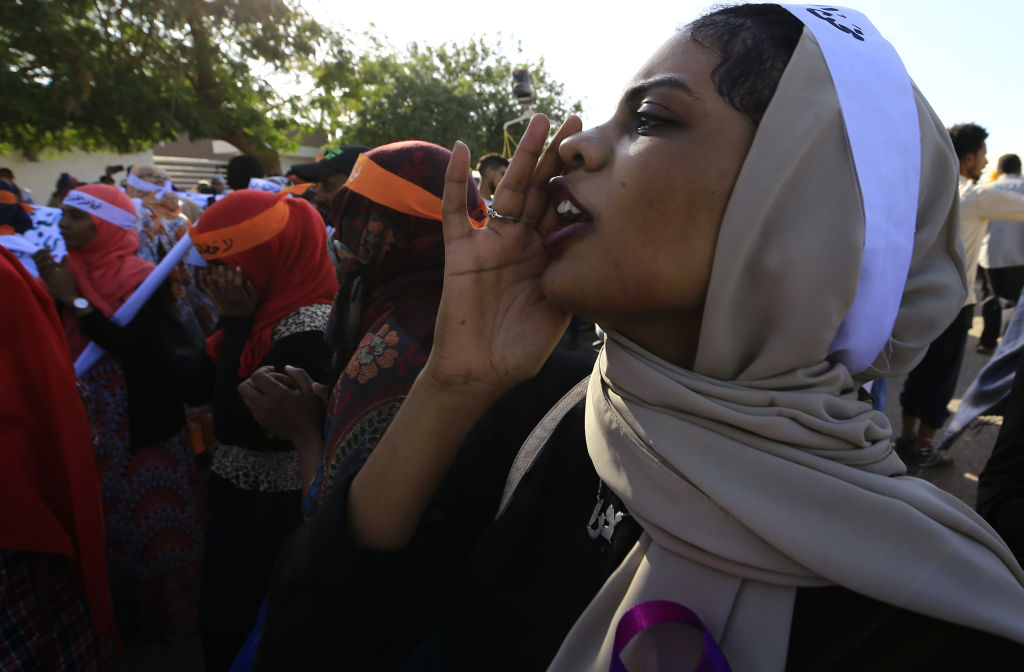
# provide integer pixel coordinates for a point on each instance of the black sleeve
(328, 595)
(232, 421)
(199, 373)
(1001, 482)
(135, 340)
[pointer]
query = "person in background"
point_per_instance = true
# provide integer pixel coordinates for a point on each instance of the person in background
(1001, 259)
(243, 168)
(14, 215)
(7, 175)
(329, 174)
(492, 168)
(65, 183)
(161, 224)
(267, 271)
(55, 610)
(929, 387)
(144, 453)
(389, 255)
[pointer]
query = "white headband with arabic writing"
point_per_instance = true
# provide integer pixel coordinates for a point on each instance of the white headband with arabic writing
(880, 115)
(142, 185)
(100, 208)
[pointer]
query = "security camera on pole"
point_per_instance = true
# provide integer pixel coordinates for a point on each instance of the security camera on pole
(522, 90)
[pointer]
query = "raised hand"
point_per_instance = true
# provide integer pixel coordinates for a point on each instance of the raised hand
(495, 328)
(58, 278)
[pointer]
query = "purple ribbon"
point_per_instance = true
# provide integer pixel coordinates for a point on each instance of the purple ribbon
(646, 614)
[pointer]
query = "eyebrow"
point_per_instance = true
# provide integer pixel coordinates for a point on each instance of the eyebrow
(662, 82)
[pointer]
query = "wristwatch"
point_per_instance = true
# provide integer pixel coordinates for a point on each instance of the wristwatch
(80, 303)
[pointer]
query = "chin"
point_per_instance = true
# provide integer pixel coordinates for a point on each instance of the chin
(569, 293)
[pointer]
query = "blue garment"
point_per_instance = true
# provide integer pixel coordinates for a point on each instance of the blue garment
(993, 383)
(243, 661)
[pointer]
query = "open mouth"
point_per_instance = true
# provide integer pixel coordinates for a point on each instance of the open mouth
(567, 207)
(569, 213)
(571, 218)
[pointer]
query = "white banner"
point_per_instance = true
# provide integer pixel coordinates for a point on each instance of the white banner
(44, 234)
(882, 127)
(100, 208)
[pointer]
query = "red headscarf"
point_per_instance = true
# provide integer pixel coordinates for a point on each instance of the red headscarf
(289, 270)
(49, 481)
(106, 269)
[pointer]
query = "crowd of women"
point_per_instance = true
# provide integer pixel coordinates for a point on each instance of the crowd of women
(405, 475)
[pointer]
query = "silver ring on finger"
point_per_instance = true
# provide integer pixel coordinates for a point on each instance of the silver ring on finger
(494, 214)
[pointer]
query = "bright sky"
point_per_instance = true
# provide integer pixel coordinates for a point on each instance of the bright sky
(962, 55)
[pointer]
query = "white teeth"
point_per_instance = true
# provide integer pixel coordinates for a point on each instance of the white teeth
(567, 206)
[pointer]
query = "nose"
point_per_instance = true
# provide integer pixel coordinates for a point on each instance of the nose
(587, 150)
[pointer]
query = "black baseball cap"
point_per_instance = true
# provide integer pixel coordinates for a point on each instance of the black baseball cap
(335, 162)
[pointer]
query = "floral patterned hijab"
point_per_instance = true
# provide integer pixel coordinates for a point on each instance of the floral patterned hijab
(388, 250)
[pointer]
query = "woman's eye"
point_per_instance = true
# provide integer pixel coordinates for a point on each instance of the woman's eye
(644, 122)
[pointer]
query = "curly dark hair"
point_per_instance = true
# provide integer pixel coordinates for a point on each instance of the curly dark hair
(967, 139)
(755, 43)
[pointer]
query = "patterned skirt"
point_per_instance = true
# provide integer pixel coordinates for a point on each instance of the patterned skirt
(151, 508)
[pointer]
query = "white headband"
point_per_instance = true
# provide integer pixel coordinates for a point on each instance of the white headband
(882, 128)
(142, 185)
(100, 208)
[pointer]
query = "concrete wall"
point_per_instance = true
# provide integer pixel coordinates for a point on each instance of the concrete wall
(41, 176)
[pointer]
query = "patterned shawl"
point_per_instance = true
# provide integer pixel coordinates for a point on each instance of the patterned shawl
(390, 260)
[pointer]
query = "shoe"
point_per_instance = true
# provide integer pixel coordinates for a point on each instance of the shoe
(984, 349)
(939, 460)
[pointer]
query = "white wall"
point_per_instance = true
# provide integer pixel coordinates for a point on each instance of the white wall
(41, 176)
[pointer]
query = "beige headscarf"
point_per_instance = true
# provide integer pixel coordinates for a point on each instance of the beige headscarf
(164, 203)
(760, 471)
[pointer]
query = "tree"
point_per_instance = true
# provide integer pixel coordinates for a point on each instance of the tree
(439, 94)
(126, 74)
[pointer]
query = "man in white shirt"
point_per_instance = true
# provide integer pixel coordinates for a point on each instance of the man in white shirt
(1001, 258)
(929, 387)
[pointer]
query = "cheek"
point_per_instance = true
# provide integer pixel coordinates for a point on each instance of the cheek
(83, 231)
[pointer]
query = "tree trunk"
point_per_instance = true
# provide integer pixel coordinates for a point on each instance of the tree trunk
(269, 158)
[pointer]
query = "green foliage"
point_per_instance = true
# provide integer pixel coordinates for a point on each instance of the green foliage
(125, 74)
(128, 74)
(440, 94)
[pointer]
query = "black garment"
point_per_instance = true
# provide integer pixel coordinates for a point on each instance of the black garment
(145, 349)
(263, 515)
(245, 528)
(930, 386)
(470, 593)
(1001, 482)
(998, 283)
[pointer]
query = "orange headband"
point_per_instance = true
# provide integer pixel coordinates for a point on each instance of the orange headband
(384, 187)
(248, 233)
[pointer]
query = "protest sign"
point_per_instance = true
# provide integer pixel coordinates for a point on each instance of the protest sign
(45, 233)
